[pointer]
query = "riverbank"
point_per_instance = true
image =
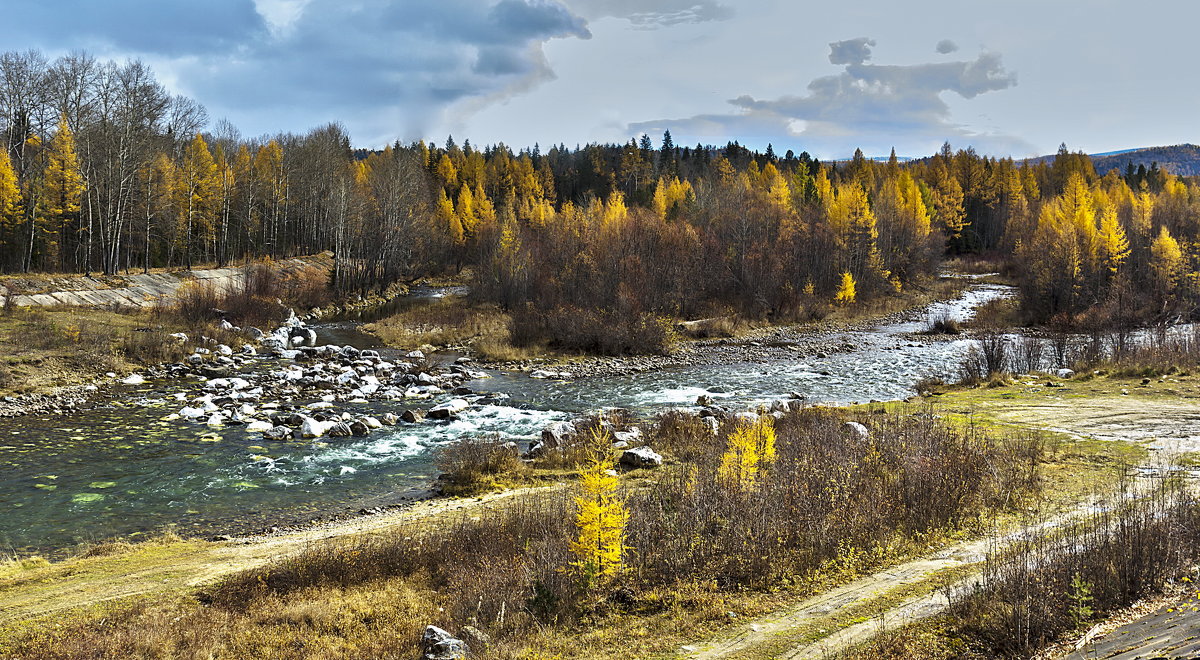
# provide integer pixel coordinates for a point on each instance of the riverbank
(482, 332)
(155, 575)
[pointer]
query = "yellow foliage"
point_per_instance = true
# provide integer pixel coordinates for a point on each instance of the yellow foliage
(750, 446)
(847, 291)
(601, 514)
(10, 191)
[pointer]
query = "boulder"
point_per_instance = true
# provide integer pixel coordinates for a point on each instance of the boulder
(180, 336)
(641, 457)
(557, 434)
(340, 430)
(411, 417)
(414, 355)
(389, 418)
(247, 349)
(262, 427)
(437, 644)
(704, 400)
(225, 350)
(372, 422)
(449, 409)
(1064, 373)
(857, 430)
(629, 437)
(359, 428)
(311, 428)
(133, 379)
(190, 412)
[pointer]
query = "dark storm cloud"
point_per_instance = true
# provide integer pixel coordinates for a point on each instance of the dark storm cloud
(654, 13)
(143, 26)
(945, 47)
(875, 106)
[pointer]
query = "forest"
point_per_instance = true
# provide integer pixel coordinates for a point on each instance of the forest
(596, 246)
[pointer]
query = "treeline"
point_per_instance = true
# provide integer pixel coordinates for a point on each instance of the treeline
(102, 170)
(592, 247)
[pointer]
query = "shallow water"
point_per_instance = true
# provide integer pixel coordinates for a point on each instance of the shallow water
(123, 469)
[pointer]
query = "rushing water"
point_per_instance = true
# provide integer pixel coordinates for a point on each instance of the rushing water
(123, 468)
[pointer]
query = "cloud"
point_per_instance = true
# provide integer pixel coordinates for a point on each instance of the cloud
(651, 14)
(141, 26)
(851, 51)
(945, 47)
(385, 68)
(867, 105)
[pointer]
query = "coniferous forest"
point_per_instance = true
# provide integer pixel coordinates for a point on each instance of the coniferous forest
(104, 171)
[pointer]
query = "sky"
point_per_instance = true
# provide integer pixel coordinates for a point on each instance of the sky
(1009, 79)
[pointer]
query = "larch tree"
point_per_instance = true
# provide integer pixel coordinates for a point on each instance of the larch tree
(61, 192)
(601, 515)
(749, 448)
(10, 198)
(199, 186)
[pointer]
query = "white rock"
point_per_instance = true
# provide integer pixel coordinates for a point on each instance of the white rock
(448, 409)
(641, 457)
(311, 428)
(134, 379)
(259, 426)
(224, 350)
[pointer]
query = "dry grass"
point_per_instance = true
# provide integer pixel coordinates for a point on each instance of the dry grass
(457, 323)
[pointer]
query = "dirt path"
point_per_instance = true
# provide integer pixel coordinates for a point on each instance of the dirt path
(1168, 425)
(157, 568)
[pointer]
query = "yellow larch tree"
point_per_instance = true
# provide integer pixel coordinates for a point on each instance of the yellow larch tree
(1114, 245)
(62, 189)
(601, 514)
(847, 291)
(750, 447)
(199, 195)
(1166, 263)
(10, 194)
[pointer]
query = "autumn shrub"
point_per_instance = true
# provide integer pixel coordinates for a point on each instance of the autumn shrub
(944, 325)
(471, 466)
(598, 331)
(151, 346)
(1055, 579)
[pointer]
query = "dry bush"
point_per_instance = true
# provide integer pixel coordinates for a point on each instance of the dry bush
(602, 332)
(1056, 580)
(472, 465)
(152, 346)
(944, 325)
(451, 321)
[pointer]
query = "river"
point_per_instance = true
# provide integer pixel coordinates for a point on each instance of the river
(122, 468)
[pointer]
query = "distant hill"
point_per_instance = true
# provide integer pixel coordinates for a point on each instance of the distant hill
(1179, 159)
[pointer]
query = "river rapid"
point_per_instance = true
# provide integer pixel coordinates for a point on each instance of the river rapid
(120, 467)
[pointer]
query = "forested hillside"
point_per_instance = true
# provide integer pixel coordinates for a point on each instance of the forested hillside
(103, 170)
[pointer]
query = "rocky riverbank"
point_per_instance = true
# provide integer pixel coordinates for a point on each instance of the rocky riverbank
(792, 342)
